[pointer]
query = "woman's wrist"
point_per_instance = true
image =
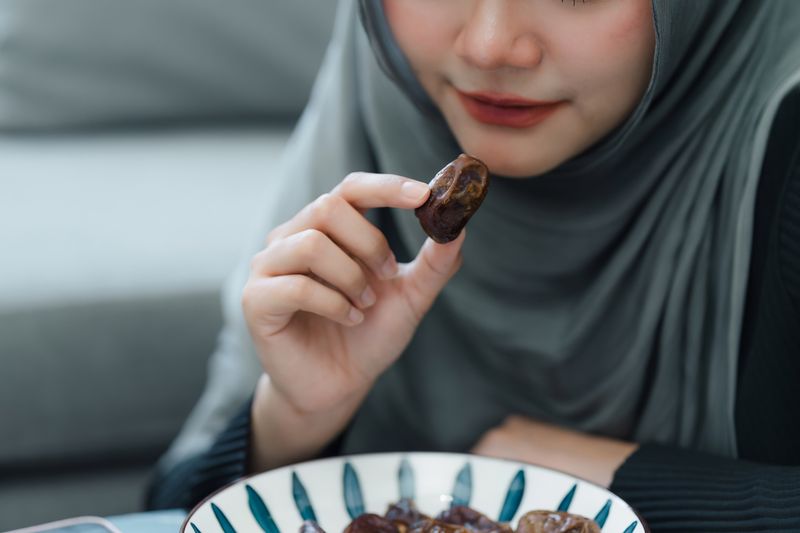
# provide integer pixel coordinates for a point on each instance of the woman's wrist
(282, 435)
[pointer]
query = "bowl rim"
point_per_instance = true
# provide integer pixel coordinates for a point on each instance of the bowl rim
(345, 457)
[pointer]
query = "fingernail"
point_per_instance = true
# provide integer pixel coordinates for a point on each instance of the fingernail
(355, 316)
(368, 297)
(414, 190)
(389, 268)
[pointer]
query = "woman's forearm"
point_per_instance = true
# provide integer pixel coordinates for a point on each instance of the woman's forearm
(283, 435)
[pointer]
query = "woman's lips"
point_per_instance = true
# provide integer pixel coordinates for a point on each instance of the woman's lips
(506, 110)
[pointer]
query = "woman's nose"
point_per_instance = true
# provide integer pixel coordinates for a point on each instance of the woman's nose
(494, 36)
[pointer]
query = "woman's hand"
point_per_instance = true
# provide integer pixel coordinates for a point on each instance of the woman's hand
(329, 308)
(586, 456)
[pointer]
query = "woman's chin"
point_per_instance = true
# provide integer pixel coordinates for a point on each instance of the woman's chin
(510, 154)
(502, 163)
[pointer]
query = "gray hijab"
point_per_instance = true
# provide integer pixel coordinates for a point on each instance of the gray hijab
(606, 296)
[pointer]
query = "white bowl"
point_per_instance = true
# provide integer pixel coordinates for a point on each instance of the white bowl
(336, 490)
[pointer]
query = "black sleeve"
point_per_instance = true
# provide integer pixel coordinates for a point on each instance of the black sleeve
(189, 482)
(677, 490)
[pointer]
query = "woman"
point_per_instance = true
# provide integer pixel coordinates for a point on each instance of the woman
(611, 313)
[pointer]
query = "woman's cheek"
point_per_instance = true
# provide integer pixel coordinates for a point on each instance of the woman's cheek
(630, 36)
(612, 66)
(421, 29)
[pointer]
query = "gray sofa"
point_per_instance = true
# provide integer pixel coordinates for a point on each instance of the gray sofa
(115, 246)
(118, 226)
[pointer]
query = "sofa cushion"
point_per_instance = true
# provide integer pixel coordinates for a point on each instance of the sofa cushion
(93, 216)
(103, 382)
(75, 62)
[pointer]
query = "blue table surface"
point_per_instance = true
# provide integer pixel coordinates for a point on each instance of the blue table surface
(152, 522)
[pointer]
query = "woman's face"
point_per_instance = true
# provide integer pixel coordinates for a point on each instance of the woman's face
(527, 84)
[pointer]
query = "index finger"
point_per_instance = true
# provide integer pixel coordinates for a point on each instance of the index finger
(364, 191)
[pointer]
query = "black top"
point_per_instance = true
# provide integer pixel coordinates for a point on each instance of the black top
(674, 489)
(767, 407)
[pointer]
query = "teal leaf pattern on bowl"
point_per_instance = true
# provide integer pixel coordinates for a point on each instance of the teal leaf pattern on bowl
(631, 528)
(602, 514)
(353, 499)
(194, 528)
(462, 490)
(513, 497)
(260, 512)
(301, 499)
(567, 501)
(224, 523)
(405, 479)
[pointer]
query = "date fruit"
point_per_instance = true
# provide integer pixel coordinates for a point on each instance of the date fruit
(371, 523)
(456, 194)
(472, 520)
(555, 522)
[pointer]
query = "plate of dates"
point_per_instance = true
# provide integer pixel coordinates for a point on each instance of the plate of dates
(414, 492)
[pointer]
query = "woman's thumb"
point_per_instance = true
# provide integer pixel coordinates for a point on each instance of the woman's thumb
(433, 267)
